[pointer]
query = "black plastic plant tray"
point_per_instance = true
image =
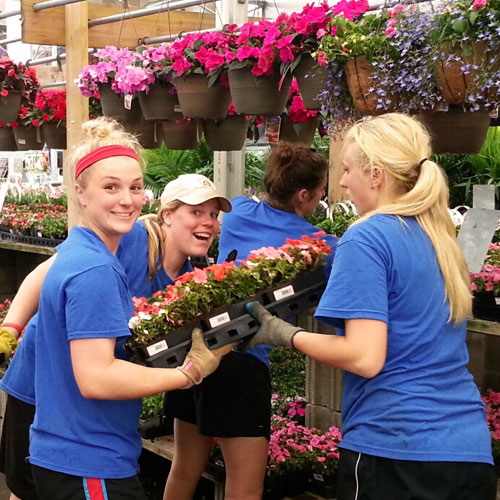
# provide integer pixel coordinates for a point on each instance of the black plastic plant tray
(234, 324)
(29, 240)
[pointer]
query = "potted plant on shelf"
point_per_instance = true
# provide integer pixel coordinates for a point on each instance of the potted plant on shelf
(200, 63)
(492, 404)
(260, 72)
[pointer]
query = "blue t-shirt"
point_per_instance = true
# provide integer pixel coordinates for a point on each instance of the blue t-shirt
(251, 225)
(19, 379)
(424, 404)
(85, 295)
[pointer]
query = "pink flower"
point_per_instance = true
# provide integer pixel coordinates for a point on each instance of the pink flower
(478, 4)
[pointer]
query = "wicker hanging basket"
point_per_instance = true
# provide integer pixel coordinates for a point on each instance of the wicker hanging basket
(311, 79)
(228, 134)
(359, 74)
(259, 95)
(198, 100)
(456, 131)
(160, 103)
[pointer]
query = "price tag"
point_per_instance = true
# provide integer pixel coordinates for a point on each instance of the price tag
(177, 108)
(219, 319)
(318, 477)
(127, 101)
(158, 347)
(21, 141)
(284, 292)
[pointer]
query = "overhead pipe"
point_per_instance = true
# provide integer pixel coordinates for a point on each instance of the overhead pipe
(54, 84)
(171, 38)
(12, 40)
(52, 3)
(44, 60)
(10, 13)
(146, 12)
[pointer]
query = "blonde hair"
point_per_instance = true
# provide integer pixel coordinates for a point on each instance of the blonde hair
(156, 242)
(97, 133)
(401, 147)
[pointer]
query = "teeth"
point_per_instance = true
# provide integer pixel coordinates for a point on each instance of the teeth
(122, 214)
(202, 235)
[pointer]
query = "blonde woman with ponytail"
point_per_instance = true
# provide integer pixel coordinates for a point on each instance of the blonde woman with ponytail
(414, 424)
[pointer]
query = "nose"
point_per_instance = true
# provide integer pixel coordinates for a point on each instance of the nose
(126, 198)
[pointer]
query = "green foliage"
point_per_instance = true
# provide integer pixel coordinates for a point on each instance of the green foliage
(288, 372)
(338, 222)
(465, 171)
(151, 406)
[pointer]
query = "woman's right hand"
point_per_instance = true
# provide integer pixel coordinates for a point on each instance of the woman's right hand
(200, 360)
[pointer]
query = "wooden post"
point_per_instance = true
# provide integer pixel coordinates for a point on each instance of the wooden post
(335, 192)
(77, 106)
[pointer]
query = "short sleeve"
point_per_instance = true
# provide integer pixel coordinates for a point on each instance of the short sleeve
(95, 305)
(357, 287)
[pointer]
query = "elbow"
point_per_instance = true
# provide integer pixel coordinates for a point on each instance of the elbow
(90, 391)
(368, 368)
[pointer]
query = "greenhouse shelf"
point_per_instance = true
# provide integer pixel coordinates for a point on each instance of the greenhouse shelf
(233, 324)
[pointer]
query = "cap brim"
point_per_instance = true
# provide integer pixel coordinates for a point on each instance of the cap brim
(197, 199)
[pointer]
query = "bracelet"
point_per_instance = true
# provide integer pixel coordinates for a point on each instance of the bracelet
(15, 326)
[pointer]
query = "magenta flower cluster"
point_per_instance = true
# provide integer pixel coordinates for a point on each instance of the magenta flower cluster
(492, 404)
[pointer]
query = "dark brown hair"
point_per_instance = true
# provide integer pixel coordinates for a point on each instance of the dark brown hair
(290, 168)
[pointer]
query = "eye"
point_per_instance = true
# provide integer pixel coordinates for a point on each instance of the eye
(137, 188)
(214, 215)
(110, 187)
(195, 212)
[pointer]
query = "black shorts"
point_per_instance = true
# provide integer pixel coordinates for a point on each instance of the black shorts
(14, 448)
(52, 485)
(376, 478)
(235, 401)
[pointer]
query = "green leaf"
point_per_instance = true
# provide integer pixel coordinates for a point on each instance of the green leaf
(459, 25)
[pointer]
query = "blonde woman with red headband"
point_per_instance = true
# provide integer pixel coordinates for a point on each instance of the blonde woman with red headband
(84, 441)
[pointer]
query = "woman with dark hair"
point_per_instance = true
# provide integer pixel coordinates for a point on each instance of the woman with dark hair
(234, 403)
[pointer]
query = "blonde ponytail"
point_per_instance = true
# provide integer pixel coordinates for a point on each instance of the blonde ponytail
(400, 145)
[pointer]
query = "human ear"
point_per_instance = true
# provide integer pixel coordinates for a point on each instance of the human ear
(80, 195)
(377, 175)
(167, 217)
(303, 195)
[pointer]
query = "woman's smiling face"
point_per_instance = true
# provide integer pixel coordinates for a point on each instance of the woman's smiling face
(194, 227)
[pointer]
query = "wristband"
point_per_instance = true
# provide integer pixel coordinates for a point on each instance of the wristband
(15, 326)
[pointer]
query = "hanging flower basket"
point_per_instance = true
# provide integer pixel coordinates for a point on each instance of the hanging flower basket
(147, 131)
(160, 103)
(259, 95)
(113, 105)
(228, 134)
(9, 106)
(53, 136)
(28, 138)
(177, 134)
(456, 84)
(7, 140)
(298, 132)
(198, 100)
(359, 74)
(311, 79)
(456, 131)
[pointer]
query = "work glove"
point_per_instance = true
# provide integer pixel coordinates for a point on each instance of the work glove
(7, 342)
(200, 360)
(273, 331)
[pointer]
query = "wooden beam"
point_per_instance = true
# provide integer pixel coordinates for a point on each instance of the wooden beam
(335, 192)
(77, 106)
(47, 26)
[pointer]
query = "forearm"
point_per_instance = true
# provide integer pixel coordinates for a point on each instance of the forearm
(125, 380)
(361, 351)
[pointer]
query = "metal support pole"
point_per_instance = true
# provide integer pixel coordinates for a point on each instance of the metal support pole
(52, 3)
(53, 84)
(44, 60)
(146, 12)
(10, 13)
(229, 166)
(12, 40)
(171, 38)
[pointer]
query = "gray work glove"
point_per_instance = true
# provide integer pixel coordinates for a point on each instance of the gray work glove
(200, 360)
(273, 331)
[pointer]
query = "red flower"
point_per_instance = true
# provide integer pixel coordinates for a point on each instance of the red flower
(4, 93)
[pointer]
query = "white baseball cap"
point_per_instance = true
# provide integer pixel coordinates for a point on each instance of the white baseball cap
(193, 189)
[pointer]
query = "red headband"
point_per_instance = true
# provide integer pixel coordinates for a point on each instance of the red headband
(100, 154)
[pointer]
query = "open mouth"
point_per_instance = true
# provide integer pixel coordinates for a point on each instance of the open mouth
(202, 236)
(123, 215)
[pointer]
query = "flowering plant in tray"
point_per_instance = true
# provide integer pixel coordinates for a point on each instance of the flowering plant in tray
(201, 291)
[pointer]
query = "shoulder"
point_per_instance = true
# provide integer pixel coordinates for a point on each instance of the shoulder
(136, 237)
